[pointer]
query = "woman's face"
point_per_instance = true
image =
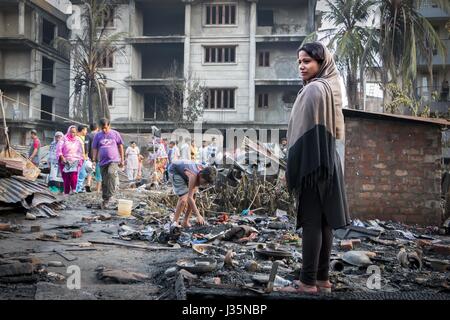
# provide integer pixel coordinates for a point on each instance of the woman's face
(133, 145)
(57, 138)
(307, 66)
(73, 131)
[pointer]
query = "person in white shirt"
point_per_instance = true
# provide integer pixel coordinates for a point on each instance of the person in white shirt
(132, 161)
(202, 155)
(212, 152)
(176, 155)
(185, 149)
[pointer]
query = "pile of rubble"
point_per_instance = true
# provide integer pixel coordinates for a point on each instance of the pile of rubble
(248, 247)
(257, 252)
(20, 188)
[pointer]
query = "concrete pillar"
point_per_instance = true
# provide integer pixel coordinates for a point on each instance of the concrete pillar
(132, 32)
(35, 30)
(21, 18)
(252, 62)
(187, 40)
(132, 16)
(311, 15)
(187, 49)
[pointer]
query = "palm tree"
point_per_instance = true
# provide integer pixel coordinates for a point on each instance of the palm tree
(405, 36)
(353, 43)
(89, 49)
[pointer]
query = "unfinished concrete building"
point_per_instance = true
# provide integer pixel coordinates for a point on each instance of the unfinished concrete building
(432, 90)
(242, 51)
(34, 71)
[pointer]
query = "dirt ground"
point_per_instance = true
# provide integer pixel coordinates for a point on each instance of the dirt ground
(154, 263)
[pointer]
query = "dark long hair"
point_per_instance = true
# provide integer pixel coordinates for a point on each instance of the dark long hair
(315, 50)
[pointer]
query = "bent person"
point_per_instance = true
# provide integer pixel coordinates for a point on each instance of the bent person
(186, 176)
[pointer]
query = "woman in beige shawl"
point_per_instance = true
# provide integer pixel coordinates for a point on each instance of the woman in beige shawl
(314, 172)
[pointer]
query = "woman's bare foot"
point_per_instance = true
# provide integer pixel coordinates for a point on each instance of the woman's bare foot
(299, 287)
(325, 283)
(175, 224)
(186, 224)
(324, 286)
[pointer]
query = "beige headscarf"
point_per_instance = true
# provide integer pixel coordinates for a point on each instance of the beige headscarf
(327, 86)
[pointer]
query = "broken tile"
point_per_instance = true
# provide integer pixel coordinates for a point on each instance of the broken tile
(35, 228)
(346, 245)
(77, 234)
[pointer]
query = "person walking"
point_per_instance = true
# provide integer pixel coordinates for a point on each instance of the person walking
(194, 151)
(132, 161)
(314, 172)
(70, 155)
(55, 181)
(185, 150)
(202, 156)
(93, 127)
(212, 152)
(35, 146)
(81, 136)
(108, 150)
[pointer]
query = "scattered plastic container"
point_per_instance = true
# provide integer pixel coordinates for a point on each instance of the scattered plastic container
(124, 208)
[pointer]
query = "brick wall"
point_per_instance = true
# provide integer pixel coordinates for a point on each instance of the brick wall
(393, 170)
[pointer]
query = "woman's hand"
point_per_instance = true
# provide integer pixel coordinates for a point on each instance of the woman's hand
(200, 219)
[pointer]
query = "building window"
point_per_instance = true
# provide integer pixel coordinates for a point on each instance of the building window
(263, 100)
(46, 107)
(220, 99)
(220, 14)
(220, 54)
(48, 32)
(289, 97)
(106, 19)
(264, 59)
(265, 18)
(48, 67)
(106, 60)
(110, 95)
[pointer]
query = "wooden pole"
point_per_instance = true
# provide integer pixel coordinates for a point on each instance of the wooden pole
(4, 121)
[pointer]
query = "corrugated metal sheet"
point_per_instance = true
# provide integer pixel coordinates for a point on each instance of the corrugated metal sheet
(14, 189)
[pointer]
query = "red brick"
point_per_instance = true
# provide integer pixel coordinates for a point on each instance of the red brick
(77, 234)
(5, 227)
(346, 244)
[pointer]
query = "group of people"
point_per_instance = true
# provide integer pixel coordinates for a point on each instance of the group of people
(78, 157)
(163, 154)
(314, 173)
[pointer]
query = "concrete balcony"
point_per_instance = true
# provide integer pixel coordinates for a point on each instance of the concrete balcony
(21, 42)
(278, 82)
(155, 39)
(431, 11)
(437, 59)
(152, 82)
(297, 38)
(23, 83)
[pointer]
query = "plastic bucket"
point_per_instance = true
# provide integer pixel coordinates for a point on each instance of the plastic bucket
(124, 208)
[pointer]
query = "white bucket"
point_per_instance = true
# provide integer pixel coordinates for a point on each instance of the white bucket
(124, 208)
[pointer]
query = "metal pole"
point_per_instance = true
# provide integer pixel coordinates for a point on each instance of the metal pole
(4, 121)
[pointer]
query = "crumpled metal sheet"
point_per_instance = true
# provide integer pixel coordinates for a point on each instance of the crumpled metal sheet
(15, 189)
(43, 198)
